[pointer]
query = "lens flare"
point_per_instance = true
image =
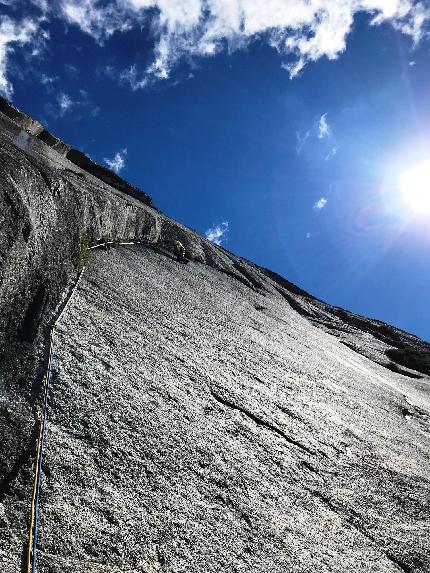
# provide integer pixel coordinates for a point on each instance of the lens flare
(415, 187)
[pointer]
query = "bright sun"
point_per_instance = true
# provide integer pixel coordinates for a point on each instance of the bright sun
(415, 187)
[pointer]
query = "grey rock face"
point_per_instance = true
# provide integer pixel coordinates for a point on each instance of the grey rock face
(198, 421)
(198, 425)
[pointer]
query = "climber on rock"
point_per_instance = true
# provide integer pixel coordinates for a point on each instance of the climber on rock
(179, 250)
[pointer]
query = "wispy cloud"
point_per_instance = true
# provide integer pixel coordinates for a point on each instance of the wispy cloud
(14, 33)
(320, 130)
(217, 234)
(117, 163)
(323, 127)
(300, 32)
(47, 80)
(99, 21)
(71, 70)
(320, 204)
(301, 140)
(81, 104)
(331, 153)
(65, 103)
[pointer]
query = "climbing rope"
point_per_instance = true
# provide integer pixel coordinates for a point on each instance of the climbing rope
(31, 555)
(34, 511)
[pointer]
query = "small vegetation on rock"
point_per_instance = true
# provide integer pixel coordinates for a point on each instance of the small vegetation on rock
(84, 251)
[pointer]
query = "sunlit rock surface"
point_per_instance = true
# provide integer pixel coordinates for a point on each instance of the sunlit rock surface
(204, 417)
(199, 425)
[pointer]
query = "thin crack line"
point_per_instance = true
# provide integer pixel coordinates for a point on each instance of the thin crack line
(348, 516)
(261, 422)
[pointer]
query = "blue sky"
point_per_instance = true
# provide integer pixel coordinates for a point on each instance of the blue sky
(283, 129)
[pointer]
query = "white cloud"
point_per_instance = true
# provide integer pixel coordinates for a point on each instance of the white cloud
(13, 33)
(81, 103)
(47, 80)
(331, 153)
(294, 68)
(414, 24)
(118, 161)
(43, 5)
(95, 20)
(300, 30)
(301, 140)
(323, 127)
(64, 103)
(308, 235)
(322, 130)
(218, 233)
(71, 70)
(320, 204)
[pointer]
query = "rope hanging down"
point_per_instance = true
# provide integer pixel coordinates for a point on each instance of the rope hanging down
(34, 511)
(34, 515)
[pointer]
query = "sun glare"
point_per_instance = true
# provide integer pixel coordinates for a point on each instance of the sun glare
(415, 187)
